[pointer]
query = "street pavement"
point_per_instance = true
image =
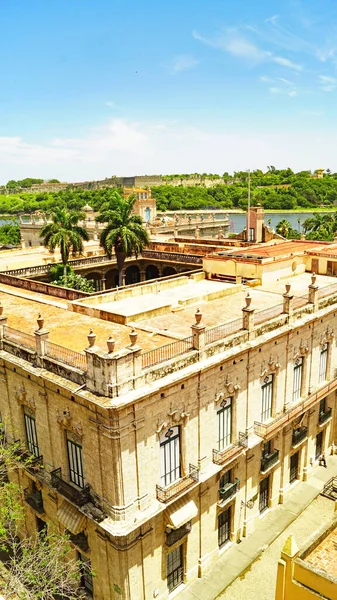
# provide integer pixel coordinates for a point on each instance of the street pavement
(248, 570)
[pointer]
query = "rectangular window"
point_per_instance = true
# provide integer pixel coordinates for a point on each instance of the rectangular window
(31, 434)
(226, 478)
(174, 568)
(322, 406)
(224, 527)
(170, 456)
(76, 473)
(297, 386)
(251, 234)
(323, 362)
(86, 574)
(267, 398)
(264, 495)
(225, 424)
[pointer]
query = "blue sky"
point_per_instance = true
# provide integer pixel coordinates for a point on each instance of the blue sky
(91, 89)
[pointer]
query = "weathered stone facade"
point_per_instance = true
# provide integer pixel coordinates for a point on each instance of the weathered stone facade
(118, 410)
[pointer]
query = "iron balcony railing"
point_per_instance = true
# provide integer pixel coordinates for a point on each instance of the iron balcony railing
(299, 435)
(34, 499)
(324, 416)
(75, 495)
(181, 485)
(269, 460)
(229, 490)
(330, 489)
(164, 353)
(220, 457)
(80, 540)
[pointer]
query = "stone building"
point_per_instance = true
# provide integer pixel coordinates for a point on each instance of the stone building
(159, 450)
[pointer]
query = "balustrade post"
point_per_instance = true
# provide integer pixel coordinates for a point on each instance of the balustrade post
(248, 317)
(198, 332)
(313, 292)
(41, 340)
(137, 356)
(288, 307)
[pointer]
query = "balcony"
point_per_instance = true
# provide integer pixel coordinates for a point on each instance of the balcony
(323, 417)
(221, 457)
(228, 491)
(35, 501)
(80, 540)
(299, 435)
(269, 460)
(178, 487)
(76, 495)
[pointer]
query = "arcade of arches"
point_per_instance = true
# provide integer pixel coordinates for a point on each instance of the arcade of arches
(132, 274)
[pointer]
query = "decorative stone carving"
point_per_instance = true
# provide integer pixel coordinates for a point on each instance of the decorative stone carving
(65, 420)
(22, 397)
(175, 417)
(302, 351)
(271, 368)
(327, 337)
(229, 389)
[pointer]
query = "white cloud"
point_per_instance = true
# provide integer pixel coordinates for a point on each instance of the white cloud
(234, 43)
(328, 84)
(183, 62)
(272, 19)
(122, 147)
(285, 62)
(110, 104)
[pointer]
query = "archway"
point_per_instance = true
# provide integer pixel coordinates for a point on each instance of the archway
(96, 278)
(111, 278)
(169, 271)
(151, 272)
(132, 275)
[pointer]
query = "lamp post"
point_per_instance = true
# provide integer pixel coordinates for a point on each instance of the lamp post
(248, 208)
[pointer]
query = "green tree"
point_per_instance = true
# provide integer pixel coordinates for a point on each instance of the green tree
(283, 227)
(124, 232)
(65, 233)
(74, 281)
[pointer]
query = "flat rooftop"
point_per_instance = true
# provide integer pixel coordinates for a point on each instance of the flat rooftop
(219, 302)
(279, 248)
(324, 556)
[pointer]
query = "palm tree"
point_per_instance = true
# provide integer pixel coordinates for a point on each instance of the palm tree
(283, 227)
(65, 233)
(317, 221)
(124, 232)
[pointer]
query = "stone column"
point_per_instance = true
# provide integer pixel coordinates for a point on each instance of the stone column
(41, 340)
(313, 292)
(288, 302)
(103, 281)
(198, 332)
(248, 317)
(142, 275)
(136, 351)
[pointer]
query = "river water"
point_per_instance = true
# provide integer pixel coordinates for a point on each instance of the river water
(238, 221)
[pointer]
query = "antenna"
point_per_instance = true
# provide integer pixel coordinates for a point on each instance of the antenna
(248, 209)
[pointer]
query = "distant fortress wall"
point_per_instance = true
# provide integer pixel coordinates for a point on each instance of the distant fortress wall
(139, 181)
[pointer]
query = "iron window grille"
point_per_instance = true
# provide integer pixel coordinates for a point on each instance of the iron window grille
(323, 362)
(267, 398)
(174, 567)
(76, 473)
(224, 526)
(31, 435)
(297, 385)
(86, 574)
(170, 456)
(225, 424)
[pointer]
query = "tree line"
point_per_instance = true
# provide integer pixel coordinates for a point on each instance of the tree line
(275, 189)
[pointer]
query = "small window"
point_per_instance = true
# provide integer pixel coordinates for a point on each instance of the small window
(266, 451)
(225, 479)
(323, 362)
(251, 234)
(31, 434)
(267, 398)
(76, 473)
(322, 406)
(170, 456)
(86, 582)
(224, 527)
(174, 568)
(298, 373)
